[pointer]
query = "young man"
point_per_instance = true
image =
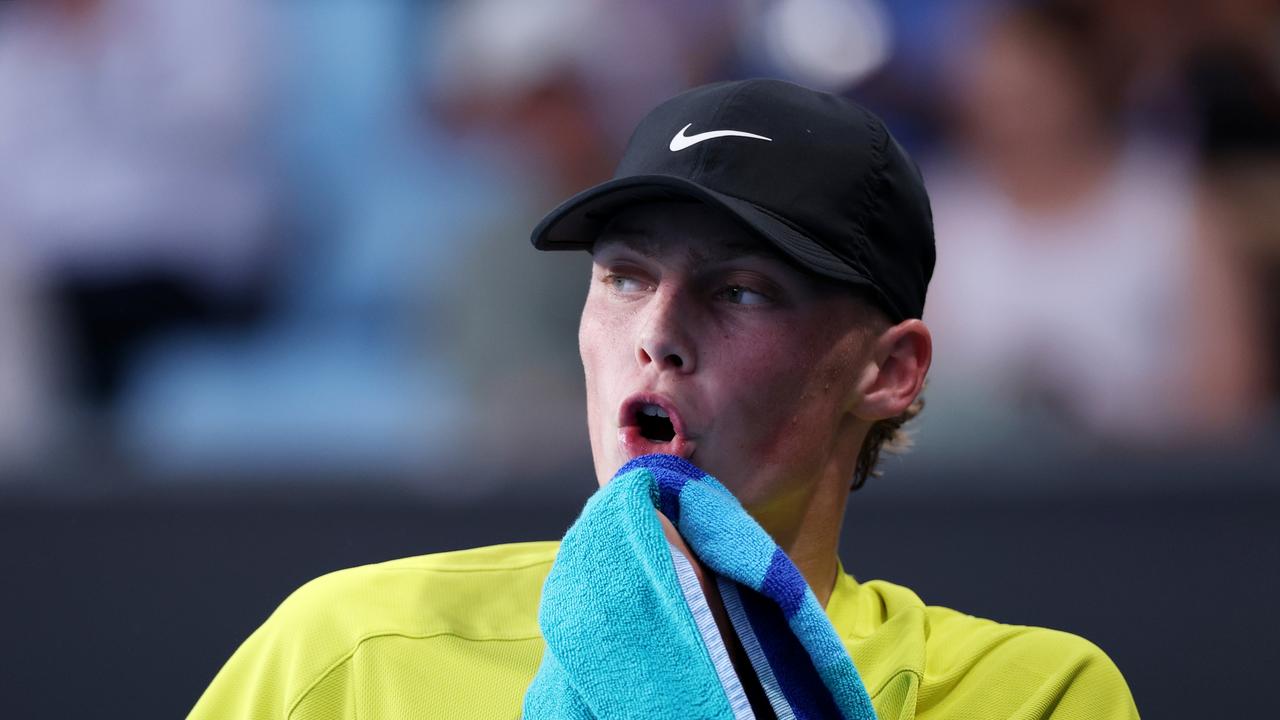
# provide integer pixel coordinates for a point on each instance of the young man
(760, 266)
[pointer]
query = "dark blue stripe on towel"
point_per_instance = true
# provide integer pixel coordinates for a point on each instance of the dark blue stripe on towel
(791, 664)
(784, 584)
(671, 474)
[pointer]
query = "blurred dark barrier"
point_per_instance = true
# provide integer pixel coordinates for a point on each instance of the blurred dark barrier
(126, 606)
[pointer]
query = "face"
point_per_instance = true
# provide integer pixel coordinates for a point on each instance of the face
(753, 362)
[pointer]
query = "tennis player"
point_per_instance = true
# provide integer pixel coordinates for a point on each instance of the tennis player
(760, 265)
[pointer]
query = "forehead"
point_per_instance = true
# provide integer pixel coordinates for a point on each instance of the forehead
(700, 233)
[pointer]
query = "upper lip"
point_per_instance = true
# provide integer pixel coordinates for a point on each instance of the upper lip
(633, 404)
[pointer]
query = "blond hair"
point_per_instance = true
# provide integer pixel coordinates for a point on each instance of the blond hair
(884, 435)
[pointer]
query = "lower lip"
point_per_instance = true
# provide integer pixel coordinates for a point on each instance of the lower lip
(634, 444)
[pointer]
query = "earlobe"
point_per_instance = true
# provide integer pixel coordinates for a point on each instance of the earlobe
(897, 372)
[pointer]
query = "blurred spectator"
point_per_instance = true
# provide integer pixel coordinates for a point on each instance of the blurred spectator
(129, 171)
(1065, 246)
(293, 237)
(1232, 72)
(416, 324)
(349, 375)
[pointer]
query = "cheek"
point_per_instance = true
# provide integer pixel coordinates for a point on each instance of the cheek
(589, 351)
(797, 400)
(602, 348)
(601, 338)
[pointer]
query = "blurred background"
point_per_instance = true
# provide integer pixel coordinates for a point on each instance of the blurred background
(268, 308)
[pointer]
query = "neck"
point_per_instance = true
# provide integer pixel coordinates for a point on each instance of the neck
(807, 528)
(806, 521)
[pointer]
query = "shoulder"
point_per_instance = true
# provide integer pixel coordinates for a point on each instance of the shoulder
(957, 639)
(483, 592)
(939, 662)
(1005, 668)
(430, 609)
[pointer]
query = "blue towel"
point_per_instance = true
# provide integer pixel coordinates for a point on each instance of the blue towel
(629, 634)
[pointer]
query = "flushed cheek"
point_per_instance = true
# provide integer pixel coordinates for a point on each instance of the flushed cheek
(789, 424)
(793, 410)
(604, 363)
(589, 342)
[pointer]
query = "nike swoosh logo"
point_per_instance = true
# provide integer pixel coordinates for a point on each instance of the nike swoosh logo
(682, 141)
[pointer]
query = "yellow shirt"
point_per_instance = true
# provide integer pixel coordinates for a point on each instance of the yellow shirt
(456, 635)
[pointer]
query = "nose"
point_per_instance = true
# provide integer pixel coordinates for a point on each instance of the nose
(665, 337)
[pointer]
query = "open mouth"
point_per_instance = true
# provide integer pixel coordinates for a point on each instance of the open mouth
(654, 423)
(650, 423)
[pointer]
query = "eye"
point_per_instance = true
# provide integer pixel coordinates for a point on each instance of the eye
(740, 295)
(624, 283)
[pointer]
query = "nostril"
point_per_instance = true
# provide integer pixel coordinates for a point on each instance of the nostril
(675, 360)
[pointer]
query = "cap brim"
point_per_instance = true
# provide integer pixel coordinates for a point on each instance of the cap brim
(576, 223)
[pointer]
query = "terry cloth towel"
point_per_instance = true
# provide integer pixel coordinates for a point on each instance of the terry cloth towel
(629, 634)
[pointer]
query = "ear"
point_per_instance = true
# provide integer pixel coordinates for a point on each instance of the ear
(895, 376)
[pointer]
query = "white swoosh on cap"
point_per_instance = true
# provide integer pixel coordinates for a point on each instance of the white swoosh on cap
(682, 141)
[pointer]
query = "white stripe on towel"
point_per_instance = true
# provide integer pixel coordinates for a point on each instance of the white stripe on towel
(751, 643)
(702, 617)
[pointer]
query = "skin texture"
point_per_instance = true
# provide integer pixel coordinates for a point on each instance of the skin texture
(777, 373)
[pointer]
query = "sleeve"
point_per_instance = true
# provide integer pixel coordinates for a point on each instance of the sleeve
(1052, 675)
(1092, 688)
(1028, 673)
(292, 667)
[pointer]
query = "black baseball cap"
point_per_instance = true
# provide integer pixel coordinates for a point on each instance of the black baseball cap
(815, 174)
